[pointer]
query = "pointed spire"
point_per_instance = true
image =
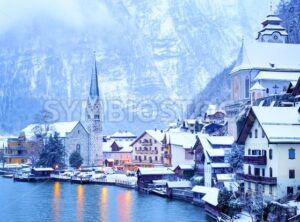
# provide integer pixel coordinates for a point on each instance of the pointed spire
(94, 89)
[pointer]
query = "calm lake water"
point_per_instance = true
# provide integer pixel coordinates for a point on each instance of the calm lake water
(56, 201)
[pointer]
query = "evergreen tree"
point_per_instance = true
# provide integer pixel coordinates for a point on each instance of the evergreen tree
(75, 159)
(236, 158)
(53, 154)
(228, 202)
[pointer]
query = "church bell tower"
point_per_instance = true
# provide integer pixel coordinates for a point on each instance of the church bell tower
(94, 121)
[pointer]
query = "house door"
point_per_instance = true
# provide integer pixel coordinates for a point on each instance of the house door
(290, 190)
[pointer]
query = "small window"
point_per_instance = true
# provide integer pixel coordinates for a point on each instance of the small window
(263, 172)
(271, 172)
(250, 135)
(270, 154)
(249, 152)
(292, 154)
(78, 131)
(156, 158)
(263, 133)
(78, 148)
(136, 158)
(249, 170)
(145, 157)
(255, 132)
(292, 174)
(271, 189)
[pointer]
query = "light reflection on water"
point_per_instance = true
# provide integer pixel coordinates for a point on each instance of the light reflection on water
(124, 206)
(65, 202)
(80, 202)
(56, 201)
(103, 198)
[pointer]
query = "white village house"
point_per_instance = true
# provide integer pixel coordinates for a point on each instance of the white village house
(271, 136)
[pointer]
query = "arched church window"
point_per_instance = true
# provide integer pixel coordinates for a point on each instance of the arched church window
(247, 87)
(78, 148)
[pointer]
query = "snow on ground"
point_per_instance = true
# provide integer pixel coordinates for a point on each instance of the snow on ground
(295, 204)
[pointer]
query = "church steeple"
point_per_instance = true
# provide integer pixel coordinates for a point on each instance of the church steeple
(94, 88)
(94, 121)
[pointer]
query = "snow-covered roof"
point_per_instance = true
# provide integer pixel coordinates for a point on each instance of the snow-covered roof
(201, 189)
(155, 171)
(280, 124)
(216, 140)
(184, 139)
(211, 196)
(257, 86)
(221, 140)
(62, 128)
(186, 166)
(283, 76)
(179, 184)
(268, 56)
(124, 145)
(220, 165)
(156, 134)
(43, 169)
(123, 134)
(231, 185)
(225, 177)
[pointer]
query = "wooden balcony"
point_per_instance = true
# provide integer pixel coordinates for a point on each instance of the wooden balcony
(257, 179)
(255, 160)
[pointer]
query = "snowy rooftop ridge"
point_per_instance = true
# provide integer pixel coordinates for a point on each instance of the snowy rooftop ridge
(155, 171)
(285, 129)
(268, 56)
(62, 128)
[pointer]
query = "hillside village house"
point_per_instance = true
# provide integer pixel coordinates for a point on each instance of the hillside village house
(264, 68)
(17, 150)
(271, 136)
(117, 149)
(179, 148)
(117, 153)
(211, 158)
(149, 148)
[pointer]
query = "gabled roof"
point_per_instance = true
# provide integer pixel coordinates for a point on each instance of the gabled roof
(158, 135)
(62, 128)
(280, 124)
(123, 134)
(123, 145)
(209, 151)
(184, 139)
(268, 56)
(257, 86)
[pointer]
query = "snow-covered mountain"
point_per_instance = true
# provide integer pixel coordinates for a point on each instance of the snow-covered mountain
(157, 50)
